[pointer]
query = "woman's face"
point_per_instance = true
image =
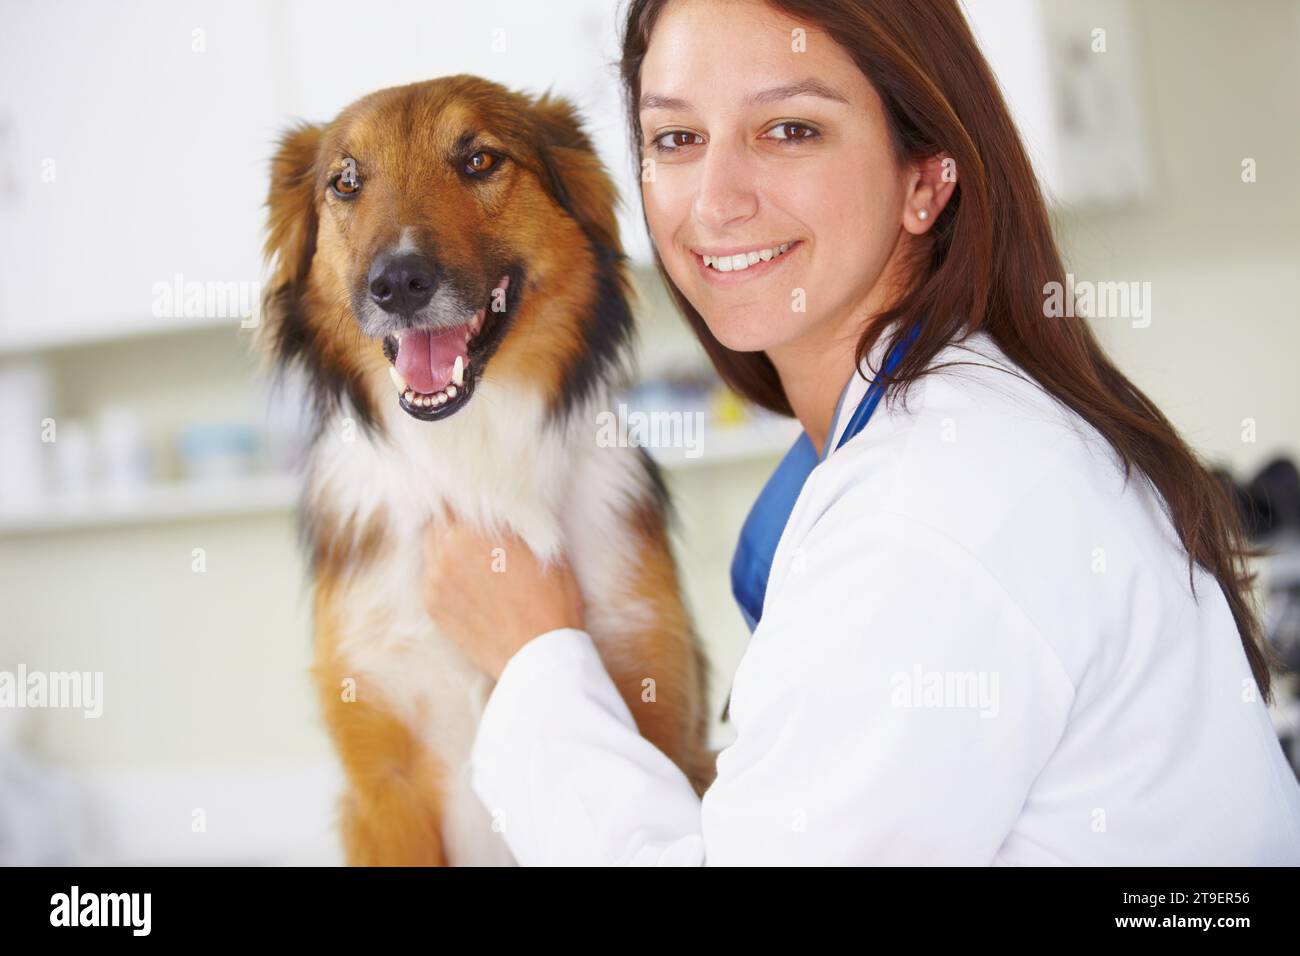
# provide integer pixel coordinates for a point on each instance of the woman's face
(758, 144)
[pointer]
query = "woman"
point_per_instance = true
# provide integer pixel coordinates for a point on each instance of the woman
(1006, 619)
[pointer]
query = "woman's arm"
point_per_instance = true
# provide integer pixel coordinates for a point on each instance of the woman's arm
(894, 706)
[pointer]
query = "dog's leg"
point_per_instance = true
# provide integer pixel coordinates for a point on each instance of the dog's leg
(391, 813)
(659, 667)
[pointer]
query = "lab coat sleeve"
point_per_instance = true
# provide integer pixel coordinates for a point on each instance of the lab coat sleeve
(559, 763)
(893, 707)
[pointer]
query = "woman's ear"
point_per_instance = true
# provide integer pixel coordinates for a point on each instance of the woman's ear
(930, 186)
(291, 223)
(573, 174)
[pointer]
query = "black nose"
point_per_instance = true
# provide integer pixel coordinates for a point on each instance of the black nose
(401, 284)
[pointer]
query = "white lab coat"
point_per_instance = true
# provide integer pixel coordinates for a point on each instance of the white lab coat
(978, 647)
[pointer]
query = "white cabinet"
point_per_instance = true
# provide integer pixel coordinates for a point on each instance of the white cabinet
(1069, 71)
(135, 138)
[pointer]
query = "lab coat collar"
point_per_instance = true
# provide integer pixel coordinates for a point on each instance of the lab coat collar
(852, 393)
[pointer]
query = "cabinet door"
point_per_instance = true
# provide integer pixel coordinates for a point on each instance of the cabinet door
(1069, 72)
(136, 138)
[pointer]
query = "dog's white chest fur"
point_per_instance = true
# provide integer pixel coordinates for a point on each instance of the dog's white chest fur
(496, 462)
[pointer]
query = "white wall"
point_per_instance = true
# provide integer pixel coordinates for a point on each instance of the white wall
(1221, 82)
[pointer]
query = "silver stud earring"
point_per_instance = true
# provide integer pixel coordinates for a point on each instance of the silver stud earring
(923, 214)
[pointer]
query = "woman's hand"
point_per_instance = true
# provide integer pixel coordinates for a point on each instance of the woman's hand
(490, 594)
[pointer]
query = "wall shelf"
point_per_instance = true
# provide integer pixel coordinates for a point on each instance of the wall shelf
(260, 494)
(176, 501)
(71, 337)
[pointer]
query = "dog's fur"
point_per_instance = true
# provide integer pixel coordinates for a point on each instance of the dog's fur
(400, 700)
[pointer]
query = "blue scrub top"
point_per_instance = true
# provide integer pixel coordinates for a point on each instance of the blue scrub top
(751, 564)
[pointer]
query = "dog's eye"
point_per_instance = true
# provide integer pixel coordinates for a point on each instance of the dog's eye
(480, 163)
(346, 184)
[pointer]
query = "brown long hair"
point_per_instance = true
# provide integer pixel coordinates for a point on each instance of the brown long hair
(991, 254)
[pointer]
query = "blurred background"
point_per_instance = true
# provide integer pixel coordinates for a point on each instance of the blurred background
(147, 530)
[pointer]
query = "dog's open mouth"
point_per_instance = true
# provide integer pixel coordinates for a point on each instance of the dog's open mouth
(435, 370)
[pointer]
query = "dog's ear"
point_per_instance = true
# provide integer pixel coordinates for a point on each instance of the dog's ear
(291, 225)
(573, 172)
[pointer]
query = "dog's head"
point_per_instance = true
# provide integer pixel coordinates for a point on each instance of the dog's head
(438, 236)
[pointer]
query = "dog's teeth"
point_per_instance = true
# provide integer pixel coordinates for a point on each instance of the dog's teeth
(396, 376)
(451, 391)
(398, 335)
(458, 371)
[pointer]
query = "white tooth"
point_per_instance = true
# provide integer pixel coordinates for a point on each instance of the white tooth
(765, 254)
(739, 261)
(752, 257)
(708, 260)
(458, 371)
(785, 246)
(723, 263)
(398, 335)
(397, 378)
(408, 395)
(451, 391)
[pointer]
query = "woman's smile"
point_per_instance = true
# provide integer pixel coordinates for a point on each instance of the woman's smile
(737, 264)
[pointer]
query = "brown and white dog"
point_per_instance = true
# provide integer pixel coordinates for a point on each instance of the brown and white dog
(447, 271)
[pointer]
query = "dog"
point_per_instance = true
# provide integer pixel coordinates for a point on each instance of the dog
(447, 274)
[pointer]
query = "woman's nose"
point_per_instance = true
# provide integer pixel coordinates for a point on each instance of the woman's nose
(726, 191)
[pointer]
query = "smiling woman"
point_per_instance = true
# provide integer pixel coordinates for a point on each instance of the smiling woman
(809, 144)
(843, 211)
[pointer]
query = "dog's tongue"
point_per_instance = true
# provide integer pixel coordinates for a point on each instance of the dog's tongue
(425, 358)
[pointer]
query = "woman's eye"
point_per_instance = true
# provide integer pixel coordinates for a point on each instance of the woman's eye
(792, 132)
(346, 184)
(676, 139)
(480, 162)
